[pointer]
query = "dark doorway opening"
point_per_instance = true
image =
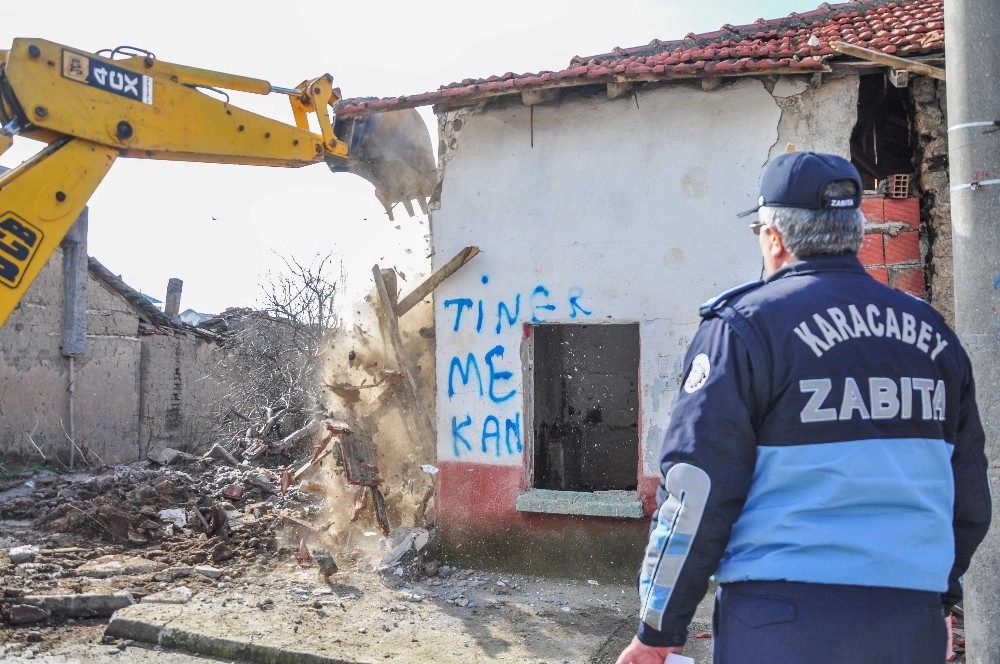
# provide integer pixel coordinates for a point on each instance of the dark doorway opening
(586, 407)
(881, 143)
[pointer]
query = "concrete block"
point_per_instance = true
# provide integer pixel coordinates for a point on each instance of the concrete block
(616, 504)
(108, 566)
(81, 605)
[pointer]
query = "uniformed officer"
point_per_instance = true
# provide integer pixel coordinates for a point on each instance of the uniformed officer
(824, 458)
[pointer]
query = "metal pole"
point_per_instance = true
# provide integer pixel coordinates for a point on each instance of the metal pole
(973, 94)
(72, 407)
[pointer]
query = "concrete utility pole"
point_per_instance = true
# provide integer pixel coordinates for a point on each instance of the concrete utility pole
(973, 89)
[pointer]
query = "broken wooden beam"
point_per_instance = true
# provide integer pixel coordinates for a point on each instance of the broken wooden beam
(309, 464)
(392, 322)
(888, 60)
(433, 281)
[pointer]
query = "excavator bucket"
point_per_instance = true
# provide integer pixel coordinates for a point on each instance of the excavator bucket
(392, 150)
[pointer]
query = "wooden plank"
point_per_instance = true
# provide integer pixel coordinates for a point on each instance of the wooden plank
(433, 281)
(888, 60)
(358, 457)
(392, 323)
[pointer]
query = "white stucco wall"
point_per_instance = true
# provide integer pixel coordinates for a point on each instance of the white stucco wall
(590, 210)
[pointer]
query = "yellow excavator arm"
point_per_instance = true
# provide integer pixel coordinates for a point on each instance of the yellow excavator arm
(90, 109)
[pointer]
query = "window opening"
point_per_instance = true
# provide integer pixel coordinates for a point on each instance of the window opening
(586, 407)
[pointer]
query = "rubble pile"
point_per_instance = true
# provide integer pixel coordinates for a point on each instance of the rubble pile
(138, 505)
(86, 544)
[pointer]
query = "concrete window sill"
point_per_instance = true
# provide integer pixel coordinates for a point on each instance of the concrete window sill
(616, 504)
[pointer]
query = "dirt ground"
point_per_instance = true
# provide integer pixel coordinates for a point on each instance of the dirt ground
(137, 529)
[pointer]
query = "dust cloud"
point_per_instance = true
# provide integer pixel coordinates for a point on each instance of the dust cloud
(367, 390)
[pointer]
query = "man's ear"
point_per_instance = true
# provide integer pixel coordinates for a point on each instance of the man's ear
(776, 244)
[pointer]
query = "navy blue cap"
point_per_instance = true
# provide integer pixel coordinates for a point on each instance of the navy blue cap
(797, 180)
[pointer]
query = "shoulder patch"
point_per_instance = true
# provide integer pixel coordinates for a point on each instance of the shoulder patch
(713, 304)
(697, 376)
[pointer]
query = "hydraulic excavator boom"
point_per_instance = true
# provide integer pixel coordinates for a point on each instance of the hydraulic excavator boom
(92, 108)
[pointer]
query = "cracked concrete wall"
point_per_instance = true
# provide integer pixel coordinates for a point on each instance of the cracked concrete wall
(817, 114)
(35, 378)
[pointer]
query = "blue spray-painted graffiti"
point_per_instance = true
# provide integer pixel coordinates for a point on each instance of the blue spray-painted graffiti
(485, 376)
(511, 439)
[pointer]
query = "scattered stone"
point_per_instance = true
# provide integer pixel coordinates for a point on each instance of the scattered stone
(33, 636)
(209, 571)
(179, 595)
(25, 613)
(23, 554)
(219, 452)
(144, 493)
(137, 537)
(233, 492)
(29, 569)
(222, 552)
(260, 481)
(166, 488)
(167, 455)
(177, 516)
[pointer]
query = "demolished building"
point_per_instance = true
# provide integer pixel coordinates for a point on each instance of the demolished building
(603, 198)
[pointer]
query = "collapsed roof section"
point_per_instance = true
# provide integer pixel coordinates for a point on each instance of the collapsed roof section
(797, 43)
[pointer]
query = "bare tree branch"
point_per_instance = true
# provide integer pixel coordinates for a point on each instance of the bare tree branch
(273, 360)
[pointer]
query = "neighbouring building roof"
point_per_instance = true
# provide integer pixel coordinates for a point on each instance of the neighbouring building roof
(151, 319)
(797, 43)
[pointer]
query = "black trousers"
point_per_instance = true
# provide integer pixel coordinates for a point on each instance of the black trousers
(778, 622)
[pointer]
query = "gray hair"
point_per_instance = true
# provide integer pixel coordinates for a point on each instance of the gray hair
(828, 231)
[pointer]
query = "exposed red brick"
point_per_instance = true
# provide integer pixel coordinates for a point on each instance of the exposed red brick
(905, 210)
(879, 273)
(910, 280)
(902, 248)
(874, 209)
(872, 250)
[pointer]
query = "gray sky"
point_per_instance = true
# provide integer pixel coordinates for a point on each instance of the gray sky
(220, 228)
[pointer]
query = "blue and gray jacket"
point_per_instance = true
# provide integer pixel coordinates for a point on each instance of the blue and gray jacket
(826, 431)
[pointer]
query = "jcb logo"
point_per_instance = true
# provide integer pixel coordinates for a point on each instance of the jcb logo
(19, 241)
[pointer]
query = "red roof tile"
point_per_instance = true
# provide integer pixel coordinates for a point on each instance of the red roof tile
(902, 28)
